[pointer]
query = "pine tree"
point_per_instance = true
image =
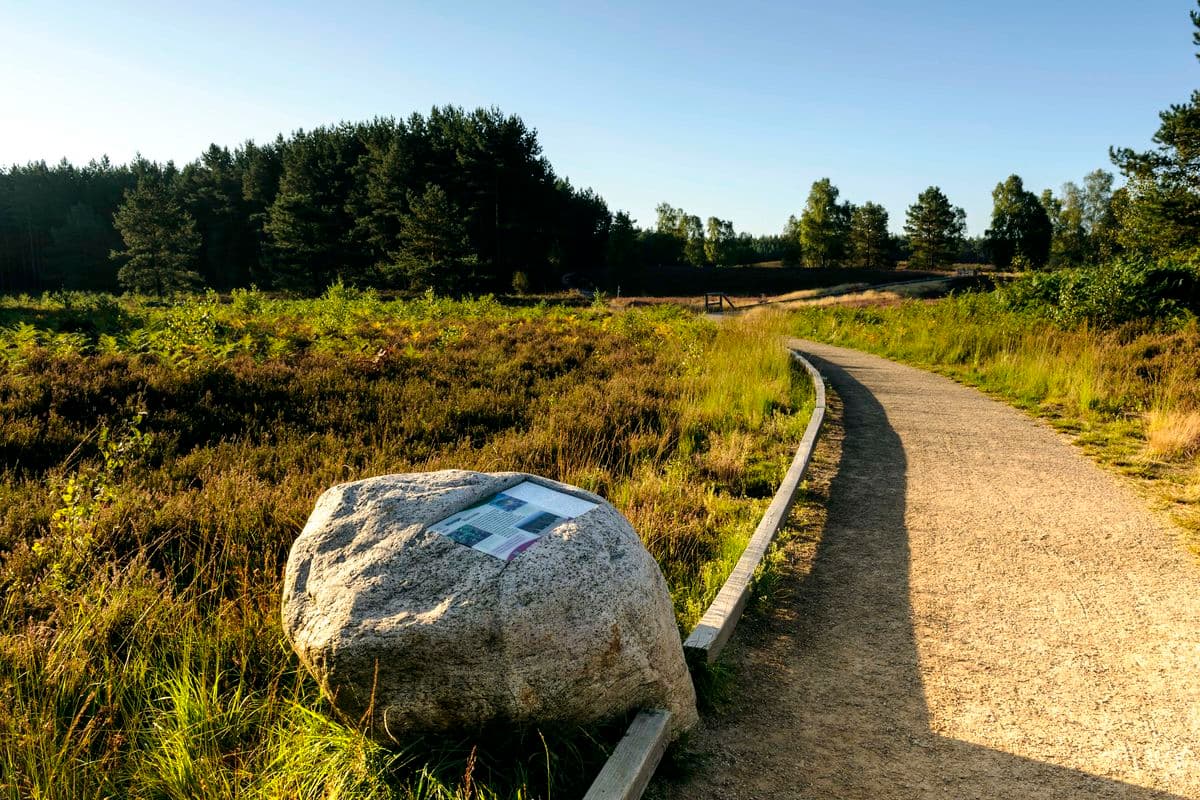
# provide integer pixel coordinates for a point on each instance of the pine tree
(870, 243)
(78, 257)
(161, 242)
(309, 224)
(622, 254)
(381, 200)
(261, 167)
(433, 249)
(934, 229)
(211, 189)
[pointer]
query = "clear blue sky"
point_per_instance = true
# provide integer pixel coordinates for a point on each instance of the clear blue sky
(728, 109)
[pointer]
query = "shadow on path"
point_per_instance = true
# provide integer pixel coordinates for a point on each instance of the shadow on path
(837, 708)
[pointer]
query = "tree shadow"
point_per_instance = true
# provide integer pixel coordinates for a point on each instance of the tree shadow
(838, 708)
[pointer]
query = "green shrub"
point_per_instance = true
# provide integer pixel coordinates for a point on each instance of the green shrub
(1109, 294)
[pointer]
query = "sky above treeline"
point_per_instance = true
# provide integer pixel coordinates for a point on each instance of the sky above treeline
(727, 109)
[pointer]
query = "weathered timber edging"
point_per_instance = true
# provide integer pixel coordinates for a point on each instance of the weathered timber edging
(716, 626)
(628, 770)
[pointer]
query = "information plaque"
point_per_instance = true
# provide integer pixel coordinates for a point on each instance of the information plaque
(506, 524)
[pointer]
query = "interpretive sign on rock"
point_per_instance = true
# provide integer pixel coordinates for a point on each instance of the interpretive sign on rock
(453, 600)
(507, 523)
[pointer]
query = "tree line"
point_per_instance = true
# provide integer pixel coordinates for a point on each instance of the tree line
(455, 201)
(1079, 225)
(460, 201)
(1027, 230)
(1155, 215)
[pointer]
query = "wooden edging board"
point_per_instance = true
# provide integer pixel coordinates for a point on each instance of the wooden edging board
(628, 770)
(707, 639)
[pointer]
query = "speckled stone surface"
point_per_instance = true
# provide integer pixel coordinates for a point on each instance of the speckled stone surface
(420, 633)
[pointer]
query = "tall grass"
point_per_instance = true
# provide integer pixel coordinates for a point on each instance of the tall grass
(1086, 373)
(156, 462)
(1131, 392)
(1173, 434)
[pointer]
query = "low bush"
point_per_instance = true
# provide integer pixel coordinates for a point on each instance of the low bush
(1108, 294)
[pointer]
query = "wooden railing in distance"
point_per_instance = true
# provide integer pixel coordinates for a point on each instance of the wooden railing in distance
(628, 770)
(715, 302)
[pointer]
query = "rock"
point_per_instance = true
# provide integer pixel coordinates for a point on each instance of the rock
(417, 633)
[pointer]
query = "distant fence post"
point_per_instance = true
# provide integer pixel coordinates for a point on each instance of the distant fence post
(715, 302)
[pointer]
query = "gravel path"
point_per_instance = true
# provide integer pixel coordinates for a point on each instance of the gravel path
(988, 615)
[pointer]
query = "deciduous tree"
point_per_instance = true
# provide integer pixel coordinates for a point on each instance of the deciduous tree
(720, 242)
(1021, 228)
(693, 241)
(824, 226)
(1069, 244)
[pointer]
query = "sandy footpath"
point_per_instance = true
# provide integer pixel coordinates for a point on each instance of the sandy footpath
(988, 615)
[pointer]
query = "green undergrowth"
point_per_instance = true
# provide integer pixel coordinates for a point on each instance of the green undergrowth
(1128, 393)
(158, 460)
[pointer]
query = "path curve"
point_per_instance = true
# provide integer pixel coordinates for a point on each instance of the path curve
(988, 615)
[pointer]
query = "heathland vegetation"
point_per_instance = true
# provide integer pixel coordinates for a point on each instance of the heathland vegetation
(158, 461)
(159, 451)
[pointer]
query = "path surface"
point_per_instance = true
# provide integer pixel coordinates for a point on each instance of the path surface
(988, 615)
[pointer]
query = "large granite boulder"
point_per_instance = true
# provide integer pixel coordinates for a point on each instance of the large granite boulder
(417, 632)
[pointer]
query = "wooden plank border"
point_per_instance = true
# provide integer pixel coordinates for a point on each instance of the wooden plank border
(708, 638)
(628, 770)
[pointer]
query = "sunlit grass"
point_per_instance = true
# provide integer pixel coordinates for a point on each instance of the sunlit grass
(1173, 434)
(1129, 394)
(156, 462)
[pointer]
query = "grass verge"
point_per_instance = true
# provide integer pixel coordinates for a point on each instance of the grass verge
(1129, 394)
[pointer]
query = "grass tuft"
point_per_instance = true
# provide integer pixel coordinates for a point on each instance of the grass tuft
(1173, 435)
